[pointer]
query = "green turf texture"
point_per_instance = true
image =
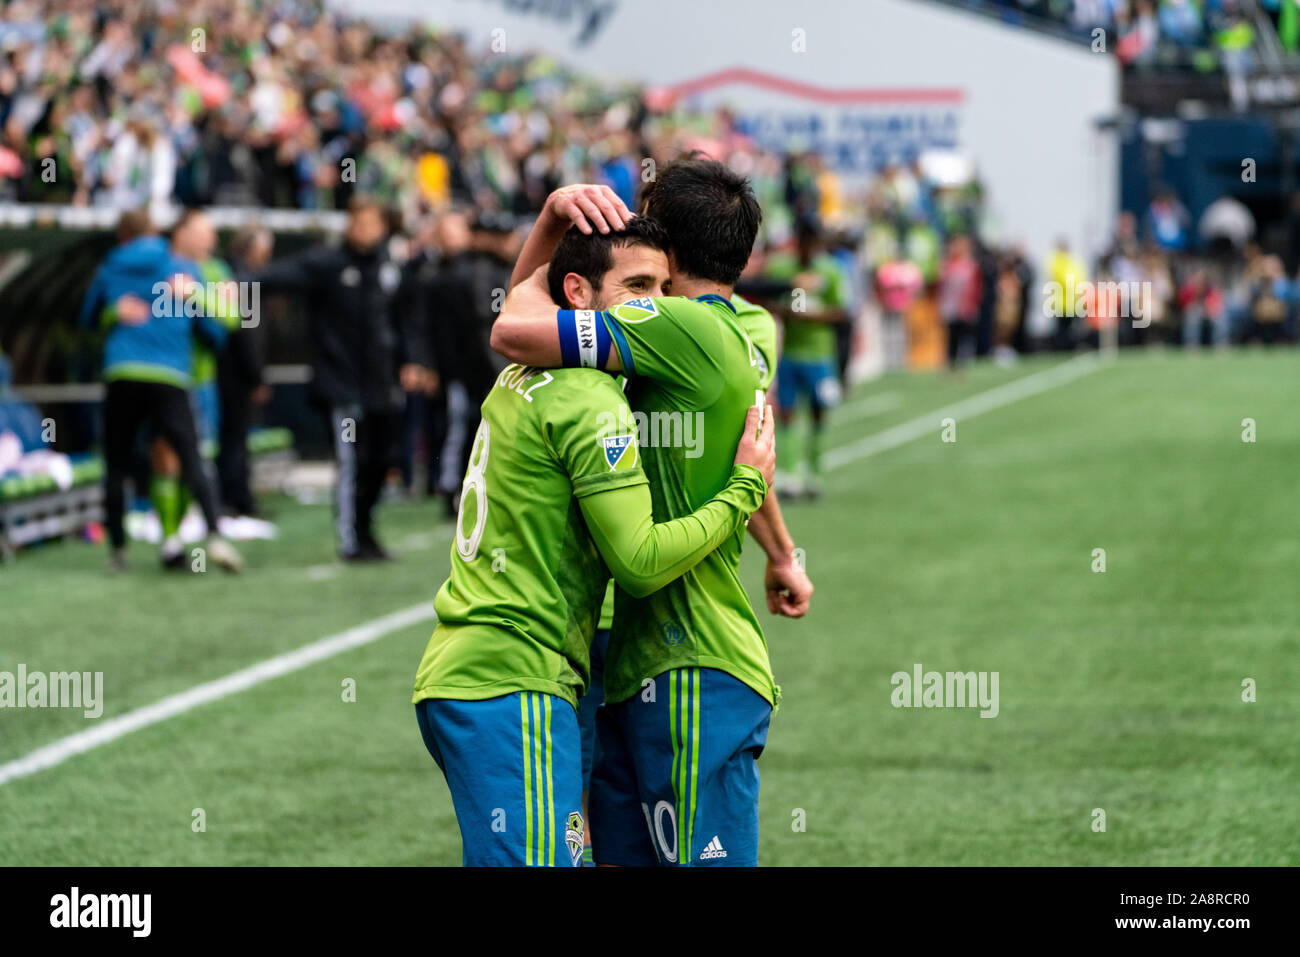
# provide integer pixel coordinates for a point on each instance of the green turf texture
(1120, 690)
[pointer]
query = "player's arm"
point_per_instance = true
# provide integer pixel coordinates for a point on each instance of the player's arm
(585, 206)
(206, 325)
(789, 590)
(528, 332)
(643, 556)
(674, 341)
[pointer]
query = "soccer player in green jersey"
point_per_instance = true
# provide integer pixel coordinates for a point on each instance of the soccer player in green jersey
(818, 302)
(554, 501)
(194, 238)
(688, 686)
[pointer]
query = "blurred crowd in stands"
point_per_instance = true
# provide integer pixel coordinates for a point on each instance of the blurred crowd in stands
(284, 104)
(1202, 34)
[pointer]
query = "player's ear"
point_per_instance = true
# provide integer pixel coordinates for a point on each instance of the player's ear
(578, 291)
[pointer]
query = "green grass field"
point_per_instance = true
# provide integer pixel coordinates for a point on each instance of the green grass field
(1119, 690)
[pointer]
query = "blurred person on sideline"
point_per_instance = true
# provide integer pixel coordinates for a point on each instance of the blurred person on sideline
(366, 350)
(148, 358)
(1201, 302)
(1155, 270)
(240, 376)
(193, 240)
(1067, 272)
(468, 298)
(424, 421)
(818, 302)
(1270, 303)
(1008, 308)
(959, 295)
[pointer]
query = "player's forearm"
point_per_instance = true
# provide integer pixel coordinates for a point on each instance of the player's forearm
(525, 332)
(539, 246)
(644, 557)
(767, 526)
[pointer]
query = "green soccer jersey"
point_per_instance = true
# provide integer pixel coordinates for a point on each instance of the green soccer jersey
(520, 606)
(607, 607)
(807, 340)
(758, 324)
(519, 609)
(220, 306)
(693, 373)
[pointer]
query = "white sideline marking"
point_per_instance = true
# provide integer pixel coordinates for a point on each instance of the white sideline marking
(968, 408)
(169, 707)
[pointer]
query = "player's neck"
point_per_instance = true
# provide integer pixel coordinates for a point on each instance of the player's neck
(694, 288)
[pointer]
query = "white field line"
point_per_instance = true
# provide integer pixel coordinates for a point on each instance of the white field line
(978, 404)
(169, 707)
(363, 634)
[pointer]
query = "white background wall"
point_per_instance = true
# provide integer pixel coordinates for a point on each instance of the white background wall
(1025, 109)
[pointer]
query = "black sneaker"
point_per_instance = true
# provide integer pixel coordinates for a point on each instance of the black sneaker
(374, 552)
(370, 551)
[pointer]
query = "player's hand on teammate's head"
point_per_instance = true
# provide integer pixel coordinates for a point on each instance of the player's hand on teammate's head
(789, 590)
(758, 442)
(131, 310)
(587, 206)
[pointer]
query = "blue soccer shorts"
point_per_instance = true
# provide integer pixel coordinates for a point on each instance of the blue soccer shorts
(677, 782)
(514, 768)
(817, 380)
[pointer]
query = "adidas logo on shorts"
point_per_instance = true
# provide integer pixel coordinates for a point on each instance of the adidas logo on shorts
(712, 850)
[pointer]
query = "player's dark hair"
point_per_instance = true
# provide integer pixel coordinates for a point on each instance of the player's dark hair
(710, 213)
(592, 255)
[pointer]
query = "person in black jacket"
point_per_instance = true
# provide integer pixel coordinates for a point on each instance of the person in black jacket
(239, 378)
(368, 345)
(425, 420)
(465, 298)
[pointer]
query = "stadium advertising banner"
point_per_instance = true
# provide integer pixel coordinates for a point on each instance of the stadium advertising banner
(856, 131)
(862, 82)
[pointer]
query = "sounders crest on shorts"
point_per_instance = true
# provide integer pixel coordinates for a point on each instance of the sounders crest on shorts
(575, 836)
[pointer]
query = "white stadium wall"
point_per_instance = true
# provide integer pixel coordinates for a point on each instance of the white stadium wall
(874, 78)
